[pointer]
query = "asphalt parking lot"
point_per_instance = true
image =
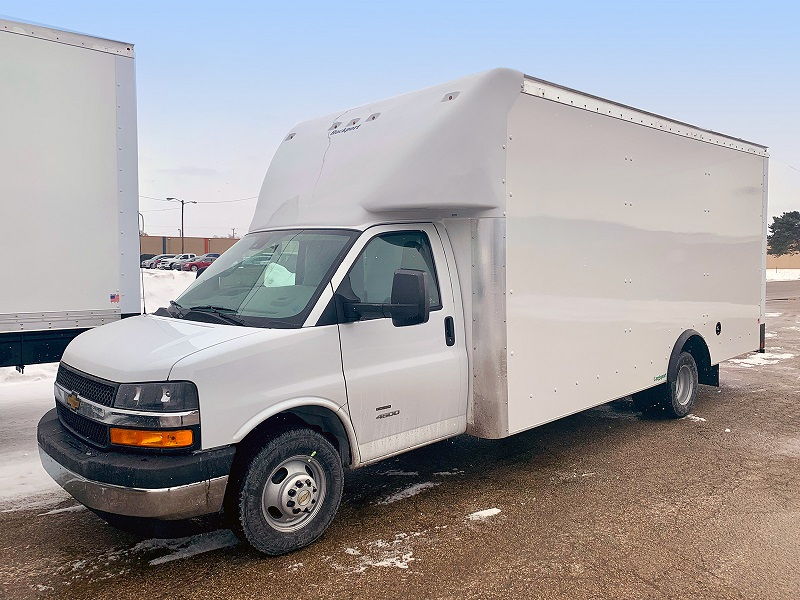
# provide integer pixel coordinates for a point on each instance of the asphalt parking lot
(601, 504)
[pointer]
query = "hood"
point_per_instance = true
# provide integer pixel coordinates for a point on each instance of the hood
(144, 348)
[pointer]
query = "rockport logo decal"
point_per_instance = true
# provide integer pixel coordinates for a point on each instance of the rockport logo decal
(660, 377)
(345, 130)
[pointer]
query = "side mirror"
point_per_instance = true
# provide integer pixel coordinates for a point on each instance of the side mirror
(409, 305)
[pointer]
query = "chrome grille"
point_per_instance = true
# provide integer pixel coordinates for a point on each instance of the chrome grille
(91, 431)
(91, 388)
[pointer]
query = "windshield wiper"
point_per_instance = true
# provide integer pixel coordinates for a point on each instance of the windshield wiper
(176, 308)
(218, 311)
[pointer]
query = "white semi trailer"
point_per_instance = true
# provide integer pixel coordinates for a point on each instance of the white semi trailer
(68, 189)
(482, 256)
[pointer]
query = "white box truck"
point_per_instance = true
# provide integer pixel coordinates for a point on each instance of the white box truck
(482, 256)
(68, 189)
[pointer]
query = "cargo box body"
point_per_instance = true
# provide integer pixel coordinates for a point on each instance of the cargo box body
(622, 231)
(588, 235)
(69, 188)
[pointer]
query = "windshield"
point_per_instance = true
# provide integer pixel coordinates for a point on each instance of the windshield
(267, 279)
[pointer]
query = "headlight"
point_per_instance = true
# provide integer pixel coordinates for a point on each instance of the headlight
(160, 397)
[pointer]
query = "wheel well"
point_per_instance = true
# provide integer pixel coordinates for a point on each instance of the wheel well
(693, 343)
(318, 418)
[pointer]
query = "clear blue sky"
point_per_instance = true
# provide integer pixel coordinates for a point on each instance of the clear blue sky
(220, 83)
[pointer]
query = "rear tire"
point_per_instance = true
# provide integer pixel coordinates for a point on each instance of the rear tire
(676, 398)
(683, 389)
(288, 493)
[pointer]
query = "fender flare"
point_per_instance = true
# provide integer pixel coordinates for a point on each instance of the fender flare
(339, 411)
(708, 374)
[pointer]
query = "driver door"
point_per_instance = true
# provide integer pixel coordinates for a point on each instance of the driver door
(406, 386)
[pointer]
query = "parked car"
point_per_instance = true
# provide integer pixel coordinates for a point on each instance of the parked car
(152, 263)
(200, 262)
(145, 258)
(176, 261)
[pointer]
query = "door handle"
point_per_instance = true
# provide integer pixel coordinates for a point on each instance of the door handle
(449, 331)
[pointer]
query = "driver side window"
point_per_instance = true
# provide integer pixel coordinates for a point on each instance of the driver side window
(371, 276)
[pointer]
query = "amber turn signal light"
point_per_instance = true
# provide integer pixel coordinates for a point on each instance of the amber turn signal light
(152, 439)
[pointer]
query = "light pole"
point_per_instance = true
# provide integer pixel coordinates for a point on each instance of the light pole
(183, 202)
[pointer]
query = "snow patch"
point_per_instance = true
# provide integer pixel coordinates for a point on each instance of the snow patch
(694, 418)
(783, 274)
(411, 490)
(68, 509)
(188, 546)
(773, 315)
(448, 473)
(758, 360)
(396, 553)
(770, 334)
(46, 371)
(401, 473)
(482, 515)
(109, 564)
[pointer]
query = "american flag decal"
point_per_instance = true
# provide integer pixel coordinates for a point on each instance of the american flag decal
(114, 298)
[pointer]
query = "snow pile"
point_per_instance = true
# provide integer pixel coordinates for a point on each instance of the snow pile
(783, 274)
(482, 515)
(162, 286)
(24, 398)
(411, 490)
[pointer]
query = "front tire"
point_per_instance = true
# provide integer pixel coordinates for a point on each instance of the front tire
(289, 492)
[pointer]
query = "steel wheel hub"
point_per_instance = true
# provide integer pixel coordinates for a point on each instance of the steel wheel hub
(684, 385)
(293, 493)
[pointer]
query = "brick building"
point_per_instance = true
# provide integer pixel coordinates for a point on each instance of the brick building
(164, 244)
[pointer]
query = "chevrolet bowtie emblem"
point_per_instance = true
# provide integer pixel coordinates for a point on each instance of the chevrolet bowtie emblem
(73, 401)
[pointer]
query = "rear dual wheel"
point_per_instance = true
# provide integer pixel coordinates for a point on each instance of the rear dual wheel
(677, 397)
(289, 492)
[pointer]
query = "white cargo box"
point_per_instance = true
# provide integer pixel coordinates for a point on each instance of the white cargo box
(69, 188)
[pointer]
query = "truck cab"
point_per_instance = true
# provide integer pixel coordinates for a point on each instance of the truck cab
(353, 339)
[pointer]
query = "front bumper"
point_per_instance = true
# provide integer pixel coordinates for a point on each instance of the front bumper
(161, 486)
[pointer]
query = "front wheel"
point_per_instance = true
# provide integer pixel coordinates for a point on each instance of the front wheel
(194, 267)
(289, 492)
